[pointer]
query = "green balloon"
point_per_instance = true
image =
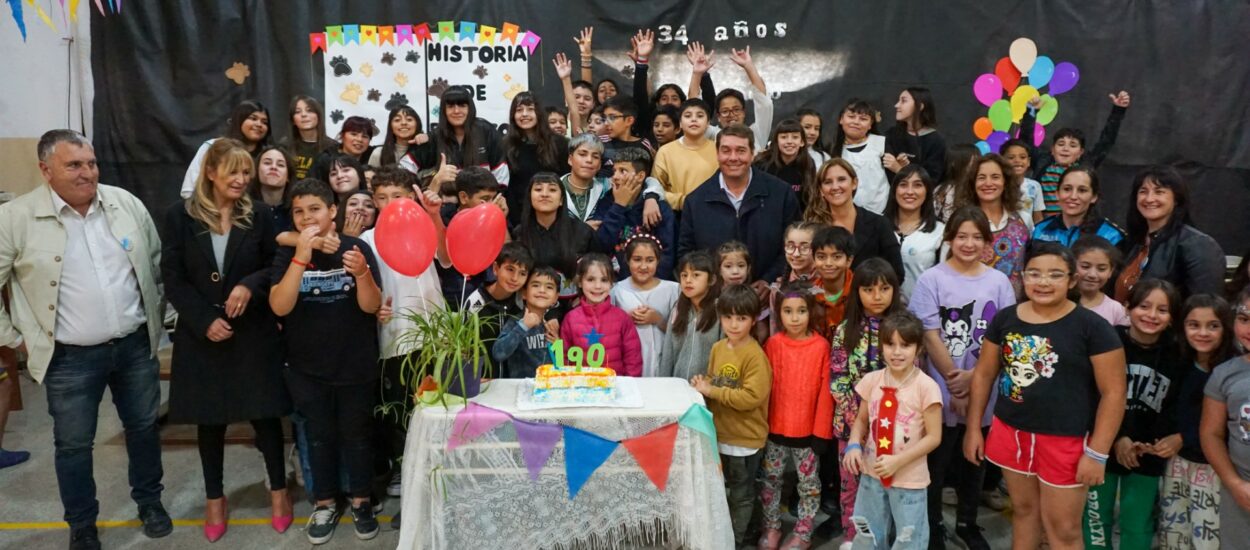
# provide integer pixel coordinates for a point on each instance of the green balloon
(1050, 108)
(1000, 115)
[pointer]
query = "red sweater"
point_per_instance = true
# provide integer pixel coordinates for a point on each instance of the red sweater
(800, 405)
(617, 334)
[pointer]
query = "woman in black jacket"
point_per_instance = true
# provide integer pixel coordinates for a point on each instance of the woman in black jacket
(1162, 243)
(227, 363)
(832, 204)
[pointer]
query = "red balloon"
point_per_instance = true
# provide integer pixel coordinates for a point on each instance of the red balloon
(405, 237)
(474, 238)
(1007, 74)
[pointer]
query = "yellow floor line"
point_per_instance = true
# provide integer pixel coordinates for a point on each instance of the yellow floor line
(17, 526)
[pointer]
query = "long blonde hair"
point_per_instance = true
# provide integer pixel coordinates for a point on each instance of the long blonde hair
(817, 209)
(224, 156)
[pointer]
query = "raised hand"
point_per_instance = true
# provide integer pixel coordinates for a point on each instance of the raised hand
(446, 172)
(237, 301)
(501, 201)
(354, 225)
(564, 68)
(741, 58)
(701, 60)
(328, 244)
(432, 202)
(354, 262)
(1121, 99)
(644, 43)
(583, 41)
(531, 318)
(308, 240)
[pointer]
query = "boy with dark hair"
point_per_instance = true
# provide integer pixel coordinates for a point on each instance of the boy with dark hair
(327, 301)
(730, 105)
(737, 387)
(833, 250)
(522, 343)
(622, 215)
(497, 302)
(619, 114)
(402, 297)
(1068, 147)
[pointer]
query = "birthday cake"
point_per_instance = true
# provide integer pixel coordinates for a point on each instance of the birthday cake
(588, 385)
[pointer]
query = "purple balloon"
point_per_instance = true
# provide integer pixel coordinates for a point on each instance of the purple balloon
(1065, 78)
(988, 89)
(996, 140)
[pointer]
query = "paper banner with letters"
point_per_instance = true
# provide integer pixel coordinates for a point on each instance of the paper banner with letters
(372, 68)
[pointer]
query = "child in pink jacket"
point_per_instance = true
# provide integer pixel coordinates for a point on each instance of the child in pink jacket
(596, 320)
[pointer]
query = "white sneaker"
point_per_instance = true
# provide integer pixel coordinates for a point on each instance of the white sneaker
(395, 487)
(293, 464)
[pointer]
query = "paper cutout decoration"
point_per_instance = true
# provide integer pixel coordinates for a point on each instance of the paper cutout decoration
(1023, 53)
(316, 41)
(654, 453)
(238, 73)
(1020, 101)
(43, 15)
(99, 7)
(351, 34)
(486, 35)
(1064, 78)
(884, 429)
(1007, 74)
(386, 35)
(509, 32)
(982, 128)
(369, 34)
(73, 10)
(699, 419)
(15, 7)
(472, 421)
(403, 34)
(422, 32)
(537, 440)
(334, 35)
(530, 41)
(1041, 72)
(584, 452)
(468, 29)
(988, 89)
(1000, 115)
(446, 30)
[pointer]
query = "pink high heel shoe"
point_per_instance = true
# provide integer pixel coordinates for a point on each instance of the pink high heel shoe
(214, 532)
(283, 522)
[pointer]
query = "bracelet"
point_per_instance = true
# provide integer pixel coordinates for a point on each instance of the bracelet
(299, 263)
(851, 447)
(586, 65)
(1096, 456)
(642, 61)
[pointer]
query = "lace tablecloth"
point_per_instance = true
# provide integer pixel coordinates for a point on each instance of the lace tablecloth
(480, 494)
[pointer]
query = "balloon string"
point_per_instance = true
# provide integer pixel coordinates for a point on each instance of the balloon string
(464, 282)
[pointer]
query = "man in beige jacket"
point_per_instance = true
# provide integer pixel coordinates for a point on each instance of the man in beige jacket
(83, 260)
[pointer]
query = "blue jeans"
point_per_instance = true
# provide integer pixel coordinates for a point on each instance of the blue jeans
(903, 511)
(75, 382)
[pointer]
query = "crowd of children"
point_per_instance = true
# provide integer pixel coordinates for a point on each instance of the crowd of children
(932, 300)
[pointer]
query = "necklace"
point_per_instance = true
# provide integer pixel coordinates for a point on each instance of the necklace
(900, 383)
(574, 185)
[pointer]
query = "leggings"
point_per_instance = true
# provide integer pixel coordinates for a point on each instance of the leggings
(1137, 495)
(947, 462)
(805, 461)
(212, 443)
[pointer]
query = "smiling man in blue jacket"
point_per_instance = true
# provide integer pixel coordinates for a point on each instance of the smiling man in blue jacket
(740, 203)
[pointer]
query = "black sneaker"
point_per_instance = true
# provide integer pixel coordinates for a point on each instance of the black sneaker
(830, 506)
(937, 537)
(971, 536)
(84, 538)
(366, 522)
(156, 522)
(377, 504)
(830, 529)
(321, 523)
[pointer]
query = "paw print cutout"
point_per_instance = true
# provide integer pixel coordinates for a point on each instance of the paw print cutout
(412, 56)
(628, 71)
(507, 77)
(238, 73)
(340, 66)
(366, 69)
(351, 94)
(396, 101)
(401, 79)
(437, 88)
(336, 116)
(374, 95)
(388, 58)
(512, 91)
(480, 72)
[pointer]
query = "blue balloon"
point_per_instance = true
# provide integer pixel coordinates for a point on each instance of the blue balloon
(983, 147)
(1041, 72)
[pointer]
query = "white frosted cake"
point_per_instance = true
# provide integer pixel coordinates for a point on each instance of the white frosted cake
(588, 385)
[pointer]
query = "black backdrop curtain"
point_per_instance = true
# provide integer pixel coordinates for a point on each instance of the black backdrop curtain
(160, 89)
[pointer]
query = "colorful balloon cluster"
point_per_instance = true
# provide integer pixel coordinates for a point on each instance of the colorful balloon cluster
(1021, 62)
(407, 240)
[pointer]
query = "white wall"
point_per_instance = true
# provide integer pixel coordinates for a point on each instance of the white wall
(38, 79)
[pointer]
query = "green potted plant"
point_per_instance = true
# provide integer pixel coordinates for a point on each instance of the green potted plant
(448, 348)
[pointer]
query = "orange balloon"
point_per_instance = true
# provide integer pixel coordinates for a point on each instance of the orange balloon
(982, 128)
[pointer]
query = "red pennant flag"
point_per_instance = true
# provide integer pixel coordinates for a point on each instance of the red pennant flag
(883, 427)
(316, 41)
(654, 453)
(422, 32)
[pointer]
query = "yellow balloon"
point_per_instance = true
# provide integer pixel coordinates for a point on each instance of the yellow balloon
(1020, 100)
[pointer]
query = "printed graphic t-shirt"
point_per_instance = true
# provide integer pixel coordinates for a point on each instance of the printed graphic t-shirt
(1230, 384)
(914, 397)
(1047, 381)
(327, 336)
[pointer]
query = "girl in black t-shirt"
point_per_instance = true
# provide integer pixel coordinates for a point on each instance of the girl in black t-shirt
(1060, 373)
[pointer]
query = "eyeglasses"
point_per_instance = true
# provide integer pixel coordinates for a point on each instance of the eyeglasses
(1035, 276)
(804, 248)
(730, 112)
(613, 118)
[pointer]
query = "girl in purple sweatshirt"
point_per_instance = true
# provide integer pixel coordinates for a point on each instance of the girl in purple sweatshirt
(596, 320)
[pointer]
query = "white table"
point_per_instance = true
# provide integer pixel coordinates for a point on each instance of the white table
(480, 494)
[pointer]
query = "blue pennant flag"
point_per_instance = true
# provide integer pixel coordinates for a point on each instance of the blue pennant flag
(584, 452)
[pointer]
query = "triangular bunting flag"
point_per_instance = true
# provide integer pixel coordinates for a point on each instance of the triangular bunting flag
(316, 41)
(472, 421)
(654, 453)
(537, 440)
(699, 419)
(15, 6)
(584, 452)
